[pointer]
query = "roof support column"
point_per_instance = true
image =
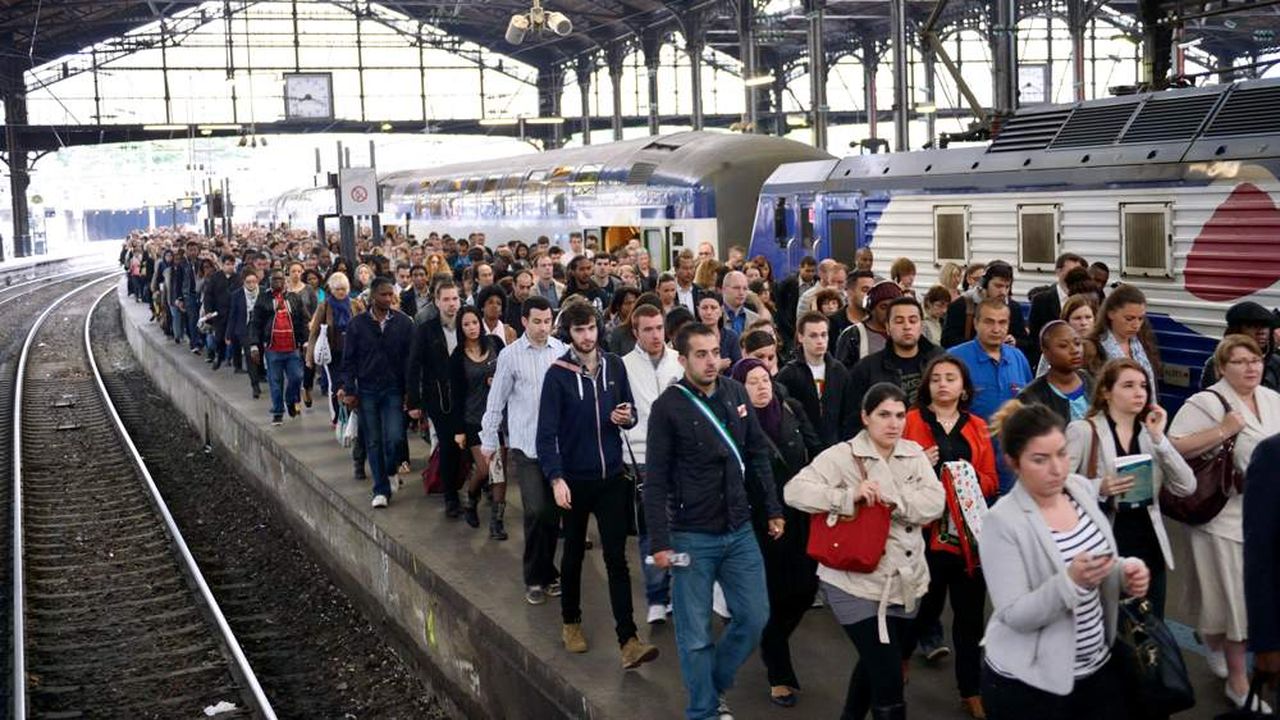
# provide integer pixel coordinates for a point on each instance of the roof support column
(778, 88)
(550, 88)
(747, 46)
(870, 66)
(1076, 24)
(1005, 52)
(651, 44)
(585, 69)
(615, 55)
(818, 71)
(14, 90)
(901, 89)
(931, 96)
(695, 41)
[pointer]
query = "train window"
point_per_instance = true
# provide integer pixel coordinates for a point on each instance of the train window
(587, 175)
(491, 183)
(1146, 242)
(780, 221)
(511, 182)
(806, 225)
(1039, 236)
(951, 234)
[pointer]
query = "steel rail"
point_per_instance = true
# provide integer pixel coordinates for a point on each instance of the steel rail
(242, 667)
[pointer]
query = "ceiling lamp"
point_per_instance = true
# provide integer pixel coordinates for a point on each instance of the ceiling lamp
(536, 20)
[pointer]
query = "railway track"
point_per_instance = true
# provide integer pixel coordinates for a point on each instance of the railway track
(111, 615)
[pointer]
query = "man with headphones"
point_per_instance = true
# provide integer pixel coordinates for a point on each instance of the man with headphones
(996, 282)
(870, 336)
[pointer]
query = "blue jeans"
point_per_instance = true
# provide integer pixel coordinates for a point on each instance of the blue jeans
(381, 415)
(733, 559)
(177, 322)
(193, 319)
(657, 582)
(282, 367)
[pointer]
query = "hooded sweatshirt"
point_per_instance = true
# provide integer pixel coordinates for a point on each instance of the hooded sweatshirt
(576, 439)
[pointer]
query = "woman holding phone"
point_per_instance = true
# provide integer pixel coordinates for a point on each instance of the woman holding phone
(1122, 423)
(1057, 592)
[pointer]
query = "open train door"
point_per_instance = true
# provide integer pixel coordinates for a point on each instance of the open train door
(842, 236)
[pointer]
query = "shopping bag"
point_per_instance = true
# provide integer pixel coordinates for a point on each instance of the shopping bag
(322, 354)
(350, 428)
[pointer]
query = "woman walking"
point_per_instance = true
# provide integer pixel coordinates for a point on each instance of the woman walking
(471, 369)
(876, 609)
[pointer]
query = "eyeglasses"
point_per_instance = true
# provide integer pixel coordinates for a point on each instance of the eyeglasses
(1245, 362)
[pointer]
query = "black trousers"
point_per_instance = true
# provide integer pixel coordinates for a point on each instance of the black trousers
(450, 462)
(541, 522)
(877, 678)
(609, 501)
(1101, 696)
(1135, 537)
(792, 581)
(947, 575)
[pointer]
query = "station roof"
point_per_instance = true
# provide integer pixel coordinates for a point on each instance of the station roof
(41, 32)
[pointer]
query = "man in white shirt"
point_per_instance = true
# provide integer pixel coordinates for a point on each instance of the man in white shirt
(652, 367)
(517, 391)
(686, 292)
(831, 275)
(737, 315)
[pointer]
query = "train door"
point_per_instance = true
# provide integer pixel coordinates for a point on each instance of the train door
(842, 235)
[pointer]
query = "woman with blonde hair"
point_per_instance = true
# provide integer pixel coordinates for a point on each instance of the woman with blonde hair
(705, 274)
(949, 277)
(1240, 409)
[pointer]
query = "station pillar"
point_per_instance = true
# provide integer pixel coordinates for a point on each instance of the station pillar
(651, 45)
(13, 88)
(585, 69)
(615, 56)
(818, 70)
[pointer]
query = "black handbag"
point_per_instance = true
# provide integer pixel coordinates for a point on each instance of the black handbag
(635, 494)
(1155, 673)
(1245, 713)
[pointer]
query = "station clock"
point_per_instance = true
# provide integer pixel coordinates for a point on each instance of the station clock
(308, 96)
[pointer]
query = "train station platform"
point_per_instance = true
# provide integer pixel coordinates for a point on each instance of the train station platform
(455, 598)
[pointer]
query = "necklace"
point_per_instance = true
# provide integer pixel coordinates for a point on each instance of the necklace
(947, 423)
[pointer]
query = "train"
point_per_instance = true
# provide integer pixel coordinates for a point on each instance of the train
(1174, 190)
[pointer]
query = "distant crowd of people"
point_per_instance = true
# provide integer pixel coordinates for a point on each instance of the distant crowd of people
(735, 422)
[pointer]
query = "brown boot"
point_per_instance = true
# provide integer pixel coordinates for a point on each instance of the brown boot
(636, 653)
(973, 706)
(574, 640)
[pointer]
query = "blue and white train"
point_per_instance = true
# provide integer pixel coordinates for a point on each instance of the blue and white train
(1175, 191)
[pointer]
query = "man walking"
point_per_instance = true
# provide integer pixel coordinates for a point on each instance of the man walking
(902, 361)
(585, 402)
(240, 329)
(517, 391)
(820, 383)
(280, 326)
(430, 390)
(652, 367)
(704, 445)
(372, 379)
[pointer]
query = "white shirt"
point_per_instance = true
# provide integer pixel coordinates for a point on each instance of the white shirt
(450, 336)
(517, 388)
(684, 296)
(819, 376)
(647, 383)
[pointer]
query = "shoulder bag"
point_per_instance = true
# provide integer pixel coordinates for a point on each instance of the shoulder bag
(1216, 480)
(1156, 675)
(854, 545)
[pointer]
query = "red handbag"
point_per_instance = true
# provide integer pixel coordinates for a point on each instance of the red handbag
(854, 545)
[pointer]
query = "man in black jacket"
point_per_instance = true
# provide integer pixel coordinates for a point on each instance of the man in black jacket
(280, 331)
(1262, 558)
(372, 380)
(902, 361)
(789, 292)
(239, 332)
(429, 390)
(417, 295)
(1046, 303)
(996, 282)
(217, 303)
(704, 445)
(820, 383)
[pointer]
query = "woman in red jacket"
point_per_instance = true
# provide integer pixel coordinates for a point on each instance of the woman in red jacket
(959, 445)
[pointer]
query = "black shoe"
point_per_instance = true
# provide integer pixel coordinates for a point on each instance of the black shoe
(452, 508)
(257, 392)
(241, 371)
(293, 410)
(277, 419)
(471, 514)
(359, 474)
(933, 649)
(497, 529)
(217, 363)
(208, 358)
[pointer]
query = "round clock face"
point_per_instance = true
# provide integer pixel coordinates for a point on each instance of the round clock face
(308, 96)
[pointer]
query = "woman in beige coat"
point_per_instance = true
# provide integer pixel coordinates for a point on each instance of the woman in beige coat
(1216, 588)
(876, 608)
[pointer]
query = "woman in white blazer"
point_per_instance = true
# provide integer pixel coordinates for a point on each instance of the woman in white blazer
(1124, 422)
(1215, 591)
(1057, 591)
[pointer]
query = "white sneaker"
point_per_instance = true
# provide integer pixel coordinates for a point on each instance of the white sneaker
(1259, 705)
(657, 614)
(379, 501)
(723, 710)
(718, 603)
(1217, 663)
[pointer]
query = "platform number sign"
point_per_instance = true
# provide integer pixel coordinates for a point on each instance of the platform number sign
(359, 191)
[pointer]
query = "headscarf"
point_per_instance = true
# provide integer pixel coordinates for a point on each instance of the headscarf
(770, 415)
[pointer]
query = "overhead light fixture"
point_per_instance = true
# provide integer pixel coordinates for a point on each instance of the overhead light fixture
(926, 108)
(386, 127)
(798, 120)
(164, 128)
(497, 122)
(229, 126)
(536, 20)
(206, 131)
(758, 80)
(552, 120)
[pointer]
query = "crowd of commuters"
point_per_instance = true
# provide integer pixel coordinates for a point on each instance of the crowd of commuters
(714, 410)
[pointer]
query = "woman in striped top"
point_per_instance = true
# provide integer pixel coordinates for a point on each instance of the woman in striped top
(1055, 599)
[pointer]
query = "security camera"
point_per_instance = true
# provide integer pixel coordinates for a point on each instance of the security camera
(517, 29)
(559, 24)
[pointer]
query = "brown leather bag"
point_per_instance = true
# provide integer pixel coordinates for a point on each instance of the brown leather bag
(1216, 481)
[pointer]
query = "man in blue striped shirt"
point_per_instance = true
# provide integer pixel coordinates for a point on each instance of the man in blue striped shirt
(517, 391)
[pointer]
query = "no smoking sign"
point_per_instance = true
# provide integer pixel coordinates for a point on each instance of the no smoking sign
(359, 193)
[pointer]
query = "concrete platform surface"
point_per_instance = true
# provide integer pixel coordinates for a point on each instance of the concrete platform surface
(457, 597)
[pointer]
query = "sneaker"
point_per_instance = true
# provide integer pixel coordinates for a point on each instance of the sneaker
(379, 501)
(636, 653)
(277, 419)
(657, 614)
(554, 589)
(535, 595)
(573, 639)
(1217, 663)
(933, 650)
(293, 410)
(782, 696)
(196, 351)
(1259, 705)
(723, 711)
